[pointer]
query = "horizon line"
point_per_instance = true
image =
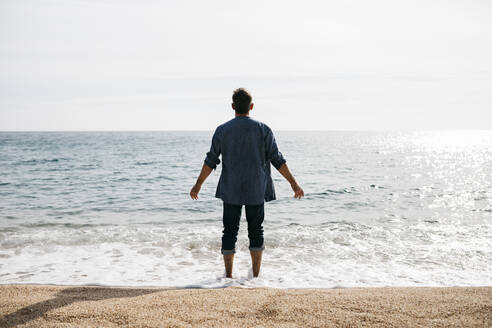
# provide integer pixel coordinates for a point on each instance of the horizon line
(279, 130)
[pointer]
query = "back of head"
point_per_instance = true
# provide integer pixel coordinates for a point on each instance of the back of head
(241, 99)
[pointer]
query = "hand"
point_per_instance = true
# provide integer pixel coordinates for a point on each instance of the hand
(194, 191)
(298, 192)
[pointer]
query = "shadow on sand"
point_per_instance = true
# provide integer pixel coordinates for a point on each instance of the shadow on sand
(68, 296)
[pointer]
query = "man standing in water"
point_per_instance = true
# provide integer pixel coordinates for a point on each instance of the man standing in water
(247, 147)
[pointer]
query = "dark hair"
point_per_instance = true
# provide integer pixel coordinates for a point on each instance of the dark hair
(242, 100)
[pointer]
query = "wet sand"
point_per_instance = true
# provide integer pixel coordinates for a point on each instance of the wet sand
(93, 306)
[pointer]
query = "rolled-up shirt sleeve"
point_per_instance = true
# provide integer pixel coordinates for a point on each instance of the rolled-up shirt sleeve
(272, 152)
(212, 158)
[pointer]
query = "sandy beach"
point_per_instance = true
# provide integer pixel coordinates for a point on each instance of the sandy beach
(93, 306)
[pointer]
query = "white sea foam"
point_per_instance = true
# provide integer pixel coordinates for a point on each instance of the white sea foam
(329, 255)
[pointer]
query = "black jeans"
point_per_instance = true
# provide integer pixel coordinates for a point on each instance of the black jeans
(254, 215)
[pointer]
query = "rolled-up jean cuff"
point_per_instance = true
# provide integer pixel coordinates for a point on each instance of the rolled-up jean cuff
(227, 251)
(262, 247)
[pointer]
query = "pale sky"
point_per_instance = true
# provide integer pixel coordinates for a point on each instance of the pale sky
(310, 65)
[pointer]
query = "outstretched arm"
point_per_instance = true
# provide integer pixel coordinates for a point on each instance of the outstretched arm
(284, 170)
(210, 163)
(279, 162)
(206, 170)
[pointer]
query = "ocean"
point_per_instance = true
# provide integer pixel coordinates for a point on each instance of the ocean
(410, 208)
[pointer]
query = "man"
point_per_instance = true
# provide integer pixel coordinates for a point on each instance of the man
(247, 147)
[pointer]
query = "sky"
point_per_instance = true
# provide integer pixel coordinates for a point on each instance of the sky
(310, 65)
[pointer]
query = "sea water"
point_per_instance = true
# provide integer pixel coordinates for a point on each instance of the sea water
(380, 209)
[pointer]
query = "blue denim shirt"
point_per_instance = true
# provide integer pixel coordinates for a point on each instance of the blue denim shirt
(247, 147)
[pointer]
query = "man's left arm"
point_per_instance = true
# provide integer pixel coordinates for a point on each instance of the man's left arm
(210, 163)
(206, 170)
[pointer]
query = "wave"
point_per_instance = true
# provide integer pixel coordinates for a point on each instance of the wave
(333, 253)
(35, 161)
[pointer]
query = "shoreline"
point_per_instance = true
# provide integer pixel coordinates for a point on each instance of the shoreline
(246, 287)
(43, 305)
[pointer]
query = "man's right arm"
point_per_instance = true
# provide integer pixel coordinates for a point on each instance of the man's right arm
(284, 170)
(279, 162)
